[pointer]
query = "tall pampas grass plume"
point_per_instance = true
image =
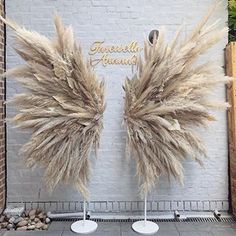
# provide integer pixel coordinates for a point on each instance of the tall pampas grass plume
(167, 98)
(63, 105)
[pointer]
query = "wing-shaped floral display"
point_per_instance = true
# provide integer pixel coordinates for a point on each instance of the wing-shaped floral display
(167, 98)
(63, 105)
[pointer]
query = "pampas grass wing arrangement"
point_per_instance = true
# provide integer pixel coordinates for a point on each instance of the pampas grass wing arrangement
(167, 98)
(63, 105)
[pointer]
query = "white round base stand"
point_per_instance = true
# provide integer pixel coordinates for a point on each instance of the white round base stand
(145, 227)
(84, 226)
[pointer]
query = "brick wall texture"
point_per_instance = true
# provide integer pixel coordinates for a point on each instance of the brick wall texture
(2, 112)
(118, 22)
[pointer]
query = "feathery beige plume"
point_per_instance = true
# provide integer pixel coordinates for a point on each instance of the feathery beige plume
(166, 99)
(63, 105)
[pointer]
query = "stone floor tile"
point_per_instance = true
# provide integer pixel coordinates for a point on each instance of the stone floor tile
(32, 233)
(126, 226)
(97, 233)
(233, 226)
(208, 226)
(166, 226)
(165, 229)
(184, 226)
(104, 229)
(108, 226)
(224, 232)
(203, 226)
(159, 233)
(163, 226)
(102, 226)
(58, 225)
(196, 233)
(67, 225)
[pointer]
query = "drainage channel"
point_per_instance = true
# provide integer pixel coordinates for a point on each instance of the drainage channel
(187, 220)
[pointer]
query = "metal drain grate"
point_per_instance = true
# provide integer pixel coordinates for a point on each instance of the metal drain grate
(210, 219)
(188, 220)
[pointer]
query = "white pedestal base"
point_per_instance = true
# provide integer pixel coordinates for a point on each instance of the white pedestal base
(84, 226)
(143, 227)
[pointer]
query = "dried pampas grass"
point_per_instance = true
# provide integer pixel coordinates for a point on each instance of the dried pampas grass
(63, 105)
(166, 98)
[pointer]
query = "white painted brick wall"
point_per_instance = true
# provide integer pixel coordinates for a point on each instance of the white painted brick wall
(117, 21)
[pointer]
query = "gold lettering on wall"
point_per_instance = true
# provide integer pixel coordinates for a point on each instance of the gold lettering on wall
(107, 51)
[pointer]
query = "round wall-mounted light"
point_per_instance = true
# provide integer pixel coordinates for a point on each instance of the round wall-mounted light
(153, 34)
